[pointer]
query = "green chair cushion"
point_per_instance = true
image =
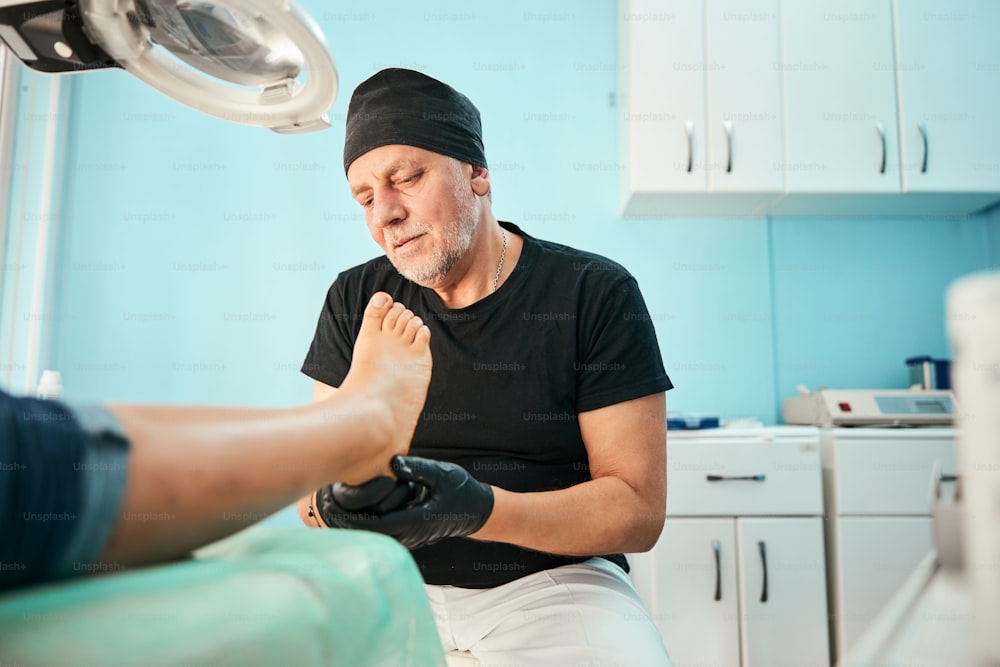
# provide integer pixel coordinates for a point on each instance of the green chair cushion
(265, 596)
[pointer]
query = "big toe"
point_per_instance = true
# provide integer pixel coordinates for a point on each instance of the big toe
(376, 310)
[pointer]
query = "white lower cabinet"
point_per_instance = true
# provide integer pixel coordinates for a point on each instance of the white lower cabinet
(738, 576)
(688, 583)
(879, 485)
(874, 556)
(738, 591)
(782, 576)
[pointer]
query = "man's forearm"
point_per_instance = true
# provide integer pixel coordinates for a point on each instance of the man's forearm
(601, 516)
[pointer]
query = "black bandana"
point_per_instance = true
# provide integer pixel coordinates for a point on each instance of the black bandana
(400, 106)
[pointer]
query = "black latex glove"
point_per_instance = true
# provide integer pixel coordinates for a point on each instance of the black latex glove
(378, 495)
(340, 505)
(449, 503)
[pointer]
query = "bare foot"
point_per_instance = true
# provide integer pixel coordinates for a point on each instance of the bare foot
(391, 370)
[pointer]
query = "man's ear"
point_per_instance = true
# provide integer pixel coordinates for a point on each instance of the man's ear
(480, 180)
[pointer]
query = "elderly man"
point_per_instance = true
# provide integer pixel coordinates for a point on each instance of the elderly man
(540, 456)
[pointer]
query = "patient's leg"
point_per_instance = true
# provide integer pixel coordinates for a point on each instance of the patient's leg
(204, 473)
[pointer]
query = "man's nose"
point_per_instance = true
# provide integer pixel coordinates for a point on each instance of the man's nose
(387, 208)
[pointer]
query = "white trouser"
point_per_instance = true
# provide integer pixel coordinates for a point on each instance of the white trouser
(572, 616)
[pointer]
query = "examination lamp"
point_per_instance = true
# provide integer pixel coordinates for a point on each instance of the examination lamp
(255, 62)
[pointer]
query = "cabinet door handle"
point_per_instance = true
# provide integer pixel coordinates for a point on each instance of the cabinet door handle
(922, 129)
(735, 478)
(717, 548)
(728, 127)
(689, 128)
(944, 478)
(763, 562)
(881, 136)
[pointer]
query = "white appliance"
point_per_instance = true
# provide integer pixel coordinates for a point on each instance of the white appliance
(878, 487)
(866, 407)
(255, 62)
(948, 612)
(974, 328)
(737, 577)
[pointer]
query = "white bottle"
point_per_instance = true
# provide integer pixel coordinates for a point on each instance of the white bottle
(50, 385)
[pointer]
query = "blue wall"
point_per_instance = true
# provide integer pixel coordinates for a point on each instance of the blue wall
(993, 226)
(856, 297)
(196, 253)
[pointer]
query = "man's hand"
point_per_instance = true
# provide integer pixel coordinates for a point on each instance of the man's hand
(341, 505)
(449, 503)
(378, 495)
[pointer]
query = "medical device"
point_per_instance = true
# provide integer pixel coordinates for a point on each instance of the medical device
(255, 62)
(870, 407)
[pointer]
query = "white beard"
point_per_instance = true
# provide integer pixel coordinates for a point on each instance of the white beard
(429, 270)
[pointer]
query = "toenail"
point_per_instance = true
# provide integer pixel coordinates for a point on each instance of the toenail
(379, 300)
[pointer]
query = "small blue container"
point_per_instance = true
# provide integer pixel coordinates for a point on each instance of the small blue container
(690, 422)
(930, 373)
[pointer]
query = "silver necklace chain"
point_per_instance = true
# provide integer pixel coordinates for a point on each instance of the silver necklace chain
(503, 254)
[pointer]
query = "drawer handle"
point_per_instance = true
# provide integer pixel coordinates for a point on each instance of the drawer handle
(717, 548)
(763, 562)
(922, 129)
(735, 478)
(944, 478)
(881, 136)
(689, 129)
(728, 127)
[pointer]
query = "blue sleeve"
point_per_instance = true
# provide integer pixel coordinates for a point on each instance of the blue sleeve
(41, 449)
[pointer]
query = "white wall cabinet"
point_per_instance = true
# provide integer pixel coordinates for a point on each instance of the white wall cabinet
(786, 107)
(948, 68)
(878, 485)
(665, 113)
(738, 574)
(839, 86)
(701, 105)
(743, 97)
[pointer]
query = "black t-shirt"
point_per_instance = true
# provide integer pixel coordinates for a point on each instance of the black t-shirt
(567, 332)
